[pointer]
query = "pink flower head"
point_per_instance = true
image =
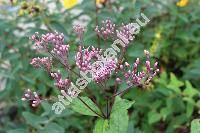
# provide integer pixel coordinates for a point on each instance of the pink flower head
(135, 77)
(45, 62)
(87, 59)
(125, 34)
(54, 43)
(84, 57)
(59, 82)
(79, 29)
(31, 97)
(103, 72)
(108, 29)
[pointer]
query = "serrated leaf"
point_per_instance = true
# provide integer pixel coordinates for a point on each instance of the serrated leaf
(165, 112)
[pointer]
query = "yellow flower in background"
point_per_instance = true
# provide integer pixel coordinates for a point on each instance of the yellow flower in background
(157, 41)
(69, 3)
(182, 3)
(21, 12)
(100, 1)
(14, 1)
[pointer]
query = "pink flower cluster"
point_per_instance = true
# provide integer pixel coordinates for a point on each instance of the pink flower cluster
(91, 60)
(60, 83)
(54, 38)
(101, 70)
(84, 57)
(54, 41)
(79, 29)
(45, 62)
(108, 29)
(61, 52)
(104, 71)
(125, 33)
(32, 97)
(135, 77)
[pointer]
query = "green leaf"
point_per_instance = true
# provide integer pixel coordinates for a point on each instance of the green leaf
(47, 108)
(34, 120)
(189, 109)
(153, 117)
(189, 90)
(195, 126)
(81, 108)
(52, 128)
(174, 83)
(101, 126)
(118, 122)
(165, 112)
(163, 78)
(20, 130)
(122, 104)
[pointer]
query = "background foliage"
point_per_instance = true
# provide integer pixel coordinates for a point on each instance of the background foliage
(169, 104)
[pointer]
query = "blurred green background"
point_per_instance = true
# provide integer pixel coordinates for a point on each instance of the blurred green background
(169, 104)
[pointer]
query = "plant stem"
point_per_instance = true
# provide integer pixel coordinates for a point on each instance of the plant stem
(94, 100)
(113, 98)
(97, 23)
(107, 112)
(89, 107)
(121, 92)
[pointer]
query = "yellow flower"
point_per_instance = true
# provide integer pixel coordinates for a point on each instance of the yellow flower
(21, 12)
(156, 42)
(100, 1)
(182, 3)
(69, 3)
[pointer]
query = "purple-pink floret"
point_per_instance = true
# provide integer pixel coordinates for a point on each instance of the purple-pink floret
(84, 57)
(107, 29)
(125, 33)
(45, 62)
(135, 77)
(54, 43)
(31, 97)
(85, 60)
(59, 82)
(104, 71)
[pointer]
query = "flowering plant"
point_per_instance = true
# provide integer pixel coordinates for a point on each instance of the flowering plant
(101, 68)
